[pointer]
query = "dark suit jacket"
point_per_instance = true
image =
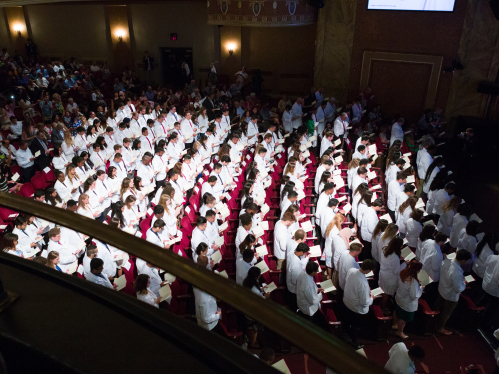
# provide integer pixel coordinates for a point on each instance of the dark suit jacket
(57, 138)
(209, 106)
(43, 160)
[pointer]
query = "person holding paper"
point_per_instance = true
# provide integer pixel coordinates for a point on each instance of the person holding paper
(431, 173)
(345, 263)
(308, 295)
(376, 238)
(423, 160)
(155, 235)
(324, 198)
(67, 255)
(402, 360)
(394, 189)
(340, 124)
(141, 288)
(25, 160)
(459, 222)
(199, 236)
(359, 179)
(414, 228)
(467, 238)
(281, 237)
(106, 254)
(243, 231)
(442, 196)
(389, 270)
(294, 267)
(244, 264)
(340, 244)
(327, 215)
(9, 244)
(90, 253)
(219, 186)
(207, 312)
(404, 211)
(393, 169)
(326, 141)
(95, 275)
(287, 119)
(367, 226)
(290, 199)
(449, 209)
(252, 281)
(451, 285)
(26, 237)
(407, 192)
(397, 132)
(361, 152)
(189, 130)
(357, 299)
(408, 293)
(482, 254)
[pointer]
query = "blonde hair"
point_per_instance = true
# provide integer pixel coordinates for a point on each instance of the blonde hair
(336, 222)
(82, 197)
(354, 163)
(68, 139)
(390, 231)
(454, 202)
(164, 200)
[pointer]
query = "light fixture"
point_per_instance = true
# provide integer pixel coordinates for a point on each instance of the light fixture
(231, 47)
(18, 28)
(120, 33)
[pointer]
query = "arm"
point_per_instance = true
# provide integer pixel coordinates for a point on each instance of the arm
(206, 316)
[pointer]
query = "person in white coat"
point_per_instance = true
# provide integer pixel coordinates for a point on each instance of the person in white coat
(490, 285)
(294, 268)
(459, 222)
(243, 264)
(143, 292)
(207, 312)
(451, 285)
(357, 299)
(403, 360)
(442, 197)
(96, 276)
(431, 258)
(413, 228)
(408, 293)
(389, 270)
(397, 131)
(67, 254)
(404, 213)
(308, 295)
(281, 237)
(189, 130)
(347, 262)
(340, 125)
(367, 226)
(394, 188)
(449, 209)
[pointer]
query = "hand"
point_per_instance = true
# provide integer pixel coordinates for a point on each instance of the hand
(40, 231)
(96, 214)
(158, 300)
(267, 295)
(219, 312)
(32, 245)
(32, 159)
(115, 286)
(320, 290)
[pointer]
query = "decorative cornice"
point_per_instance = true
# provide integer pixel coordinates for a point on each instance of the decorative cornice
(260, 13)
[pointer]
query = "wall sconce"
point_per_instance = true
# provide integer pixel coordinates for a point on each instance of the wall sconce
(120, 34)
(231, 47)
(18, 28)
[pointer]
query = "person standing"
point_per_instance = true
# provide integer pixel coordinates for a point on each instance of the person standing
(308, 295)
(357, 299)
(148, 62)
(451, 285)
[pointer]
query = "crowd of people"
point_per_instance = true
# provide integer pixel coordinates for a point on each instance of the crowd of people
(290, 196)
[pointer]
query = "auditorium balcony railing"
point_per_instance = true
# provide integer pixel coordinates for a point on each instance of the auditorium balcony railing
(326, 348)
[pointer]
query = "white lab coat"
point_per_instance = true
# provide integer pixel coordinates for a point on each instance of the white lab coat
(451, 280)
(413, 229)
(408, 294)
(346, 263)
(394, 188)
(369, 222)
(459, 222)
(306, 294)
(242, 268)
(480, 261)
(357, 295)
(293, 269)
(281, 237)
(491, 276)
(431, 258)
(444, 224)
(389, 273)
(399, 361)
(206, 309)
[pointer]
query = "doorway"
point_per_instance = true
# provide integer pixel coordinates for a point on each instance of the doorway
(172, 59)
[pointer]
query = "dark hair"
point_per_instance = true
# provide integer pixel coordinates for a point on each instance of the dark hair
(251, 279)
(311, 267)
(395, 246)
(201, 248)
(368, 264)
(302, 247)
(416, 352)
(427, 233)
(490, 239)
(96, 263)
(463, 255)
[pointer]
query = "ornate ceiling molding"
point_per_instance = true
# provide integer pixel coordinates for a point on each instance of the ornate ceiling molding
(260, 13)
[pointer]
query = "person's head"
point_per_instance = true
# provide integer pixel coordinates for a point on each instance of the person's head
(96, 266)
(463, 256)
(312, 268)
(355, 249)
(246, 221)
(141, 284)
(301, 249)
(409, 189)
(55, 234)
(367, 266)
(440, 238)
(472, 228)
(401, 177)
(201, 223)
(416, 353)
(450, 187)
(53, 259)
(9, 240)
(362, 172)
(394, 246)
(288, 218)
(267, 355)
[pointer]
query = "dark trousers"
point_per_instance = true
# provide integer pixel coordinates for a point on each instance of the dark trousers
(366, 251)
(291, 301)
(354, 323)
(490, 317)
(27, 173)
(188, 145)
(392, 214)
(446, 308)
(317, 319)
(431, 294)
